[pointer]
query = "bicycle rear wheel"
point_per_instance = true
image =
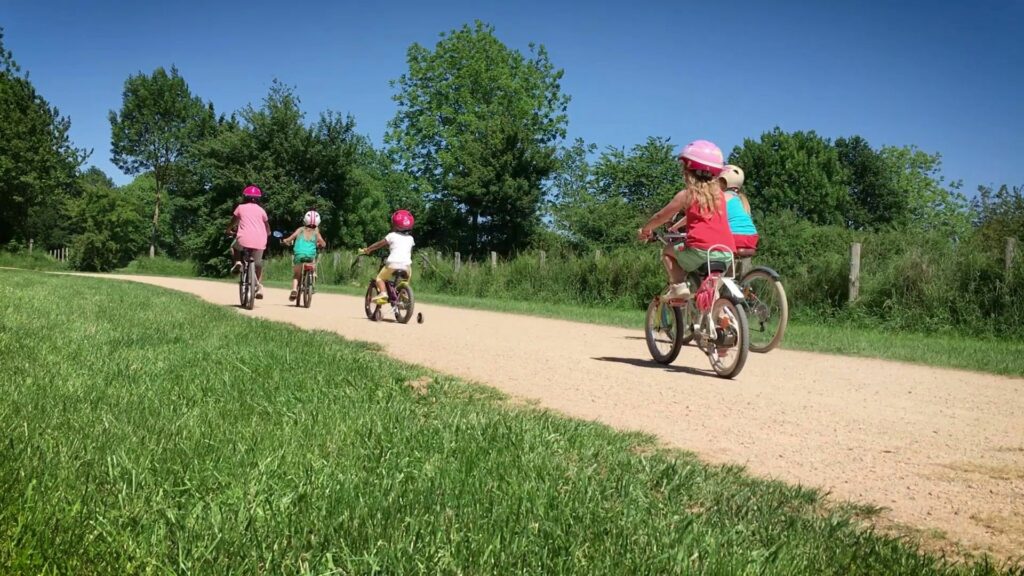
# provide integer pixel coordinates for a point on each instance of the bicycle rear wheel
(768, 309)
(661, 331)
(307, 288)
(250, 274)
(405, 304)
(728, 353)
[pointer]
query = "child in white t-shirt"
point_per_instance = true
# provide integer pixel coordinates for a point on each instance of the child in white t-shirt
(399, 242)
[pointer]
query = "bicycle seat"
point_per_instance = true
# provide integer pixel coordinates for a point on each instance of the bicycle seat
(308, 266)
(401, 274)
(746, 252)
(716, 266)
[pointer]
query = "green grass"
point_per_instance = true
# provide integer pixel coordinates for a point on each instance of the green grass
(159, 266)
(142, 430)
(38, 260)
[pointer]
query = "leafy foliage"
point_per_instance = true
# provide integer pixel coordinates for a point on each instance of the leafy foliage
(160, 120)
(109, 226)
(478, 125)
(38, 163)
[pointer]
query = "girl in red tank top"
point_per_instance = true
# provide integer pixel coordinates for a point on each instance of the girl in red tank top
(703, 203)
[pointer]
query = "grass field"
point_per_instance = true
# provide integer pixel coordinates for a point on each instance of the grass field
(144, 431)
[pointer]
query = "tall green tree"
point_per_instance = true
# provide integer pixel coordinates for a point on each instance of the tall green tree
(38, 163)
(160, 119)
(478, 126)
(109, 224)
(604, 208)
(799, 172)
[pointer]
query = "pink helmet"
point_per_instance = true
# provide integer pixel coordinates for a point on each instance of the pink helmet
(702, 156)
(252, 192)
(402, 220)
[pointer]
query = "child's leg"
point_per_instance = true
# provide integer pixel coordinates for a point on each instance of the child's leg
(676, 274)
(296, 272)
(384, 274)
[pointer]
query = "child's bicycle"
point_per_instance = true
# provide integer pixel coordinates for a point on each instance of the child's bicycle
(713, 316)
(400, 297)
(307, 284)
(247, 280)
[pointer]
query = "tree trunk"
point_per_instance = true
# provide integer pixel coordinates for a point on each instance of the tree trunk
(156, 220)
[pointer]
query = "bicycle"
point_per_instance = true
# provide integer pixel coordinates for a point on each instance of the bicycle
(247, 280)
(713, 315)
(400, 296)
(307, 285)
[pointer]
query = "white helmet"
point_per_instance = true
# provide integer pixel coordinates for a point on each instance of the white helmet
(311, 218)
(733, 177)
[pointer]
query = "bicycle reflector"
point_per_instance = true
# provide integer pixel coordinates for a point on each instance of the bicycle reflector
(724, 322)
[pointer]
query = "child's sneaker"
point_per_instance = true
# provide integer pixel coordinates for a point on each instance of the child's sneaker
(292, 296)
(382, 299)
(237, 268)
(259, 292)
(679, 291)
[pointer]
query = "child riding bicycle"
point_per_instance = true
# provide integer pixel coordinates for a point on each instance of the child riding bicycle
(400, 243)
(306, 240)
(252, 229)
(704, 207)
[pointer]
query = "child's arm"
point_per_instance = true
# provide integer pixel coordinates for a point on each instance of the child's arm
(288, 241)
(375, 246)
(233, 225)
(746, 204)
(320, 242)
(675, 205)
(678, 225)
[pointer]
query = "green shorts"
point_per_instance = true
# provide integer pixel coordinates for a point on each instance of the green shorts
(296, 259)
(692, 258)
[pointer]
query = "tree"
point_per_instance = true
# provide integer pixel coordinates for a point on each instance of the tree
(109, 225)
(603, 205)
(800, 172)
(875, 201)
(478, 126)
(931, 205)
(159, 121)
(38, 163)
(1000, 215)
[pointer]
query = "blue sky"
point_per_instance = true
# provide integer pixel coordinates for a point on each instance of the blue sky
(946, 76)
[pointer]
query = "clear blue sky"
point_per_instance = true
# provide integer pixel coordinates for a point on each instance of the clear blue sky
(947, 76)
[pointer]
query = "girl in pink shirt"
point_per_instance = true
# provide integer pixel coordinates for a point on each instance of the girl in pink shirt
(253, 228)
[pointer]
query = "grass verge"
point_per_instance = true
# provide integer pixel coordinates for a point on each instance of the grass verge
(144, 431)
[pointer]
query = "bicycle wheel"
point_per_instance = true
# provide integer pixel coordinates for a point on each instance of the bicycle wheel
(250, 295)
(661, 331)
(307, 288)
(405, 304)
(243, 287)
(728, 352)
(371, 308)
(768, 309)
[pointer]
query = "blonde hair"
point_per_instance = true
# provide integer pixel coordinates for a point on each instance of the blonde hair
(704, 190)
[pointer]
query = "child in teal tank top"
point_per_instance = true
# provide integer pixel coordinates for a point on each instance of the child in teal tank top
(305, 240)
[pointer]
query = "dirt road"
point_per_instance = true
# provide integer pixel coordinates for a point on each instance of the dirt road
(943, 450)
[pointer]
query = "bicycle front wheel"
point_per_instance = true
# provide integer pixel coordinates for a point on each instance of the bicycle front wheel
(728, 352)
(371, 308)
(768, 310)
(405, 304)
(661, 330)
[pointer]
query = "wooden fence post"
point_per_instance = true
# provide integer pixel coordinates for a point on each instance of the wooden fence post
(336, 259)
(30, 242)
(494, 259)
(1011, 250)
(543, 257)
(597, 254)
(438, 256)
(854, 271)
(458, 261)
